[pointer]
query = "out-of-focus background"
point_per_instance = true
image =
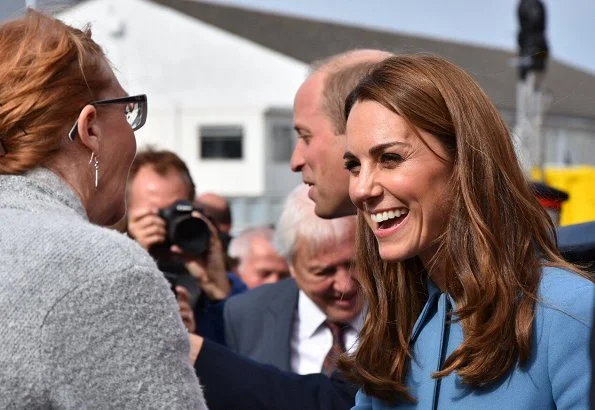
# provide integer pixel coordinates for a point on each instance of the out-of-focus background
(221, 77)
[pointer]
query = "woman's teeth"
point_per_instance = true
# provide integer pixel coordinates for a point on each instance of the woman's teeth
(385, 216)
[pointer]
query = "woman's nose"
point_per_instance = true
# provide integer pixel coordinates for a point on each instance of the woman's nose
(363, 187)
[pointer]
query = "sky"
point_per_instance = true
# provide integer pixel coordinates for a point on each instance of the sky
(13, 8)
(570, 27)
(570, 23)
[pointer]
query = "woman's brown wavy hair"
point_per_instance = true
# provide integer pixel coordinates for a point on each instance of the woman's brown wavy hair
(494, 244)
(48, 72)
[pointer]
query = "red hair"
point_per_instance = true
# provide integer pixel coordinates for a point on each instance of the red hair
(48, 72)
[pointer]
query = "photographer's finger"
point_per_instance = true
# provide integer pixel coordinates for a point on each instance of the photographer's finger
(150, 240)
(152, 230)
(210, 224)
(197, 270)
(146, 226)
(188, 319)
(136, 215)
(183, 295)
(176, 250)
(151, 221)
(186, 315)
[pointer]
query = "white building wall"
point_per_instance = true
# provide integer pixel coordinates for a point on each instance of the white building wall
(194, 74)
(245, 177)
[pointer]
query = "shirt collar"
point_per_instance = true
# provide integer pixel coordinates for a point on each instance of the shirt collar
(312, 318)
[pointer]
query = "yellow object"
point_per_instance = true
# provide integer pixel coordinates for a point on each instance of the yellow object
(579, 183)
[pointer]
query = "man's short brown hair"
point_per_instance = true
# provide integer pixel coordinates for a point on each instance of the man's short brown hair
(342, 73)
(163, 161)
(337, 86)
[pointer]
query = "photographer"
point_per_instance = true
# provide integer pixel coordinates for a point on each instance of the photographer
(180, 238)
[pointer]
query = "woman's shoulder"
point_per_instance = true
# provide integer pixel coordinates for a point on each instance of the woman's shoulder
(83, 252)
(562, 283)
(113, 249)
(565, 292)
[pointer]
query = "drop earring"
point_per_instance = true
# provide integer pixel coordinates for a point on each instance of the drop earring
(96, 165)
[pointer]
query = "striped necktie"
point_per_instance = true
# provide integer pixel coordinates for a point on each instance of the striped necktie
(338, 347)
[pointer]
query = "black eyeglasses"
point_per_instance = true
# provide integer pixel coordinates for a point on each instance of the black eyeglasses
(136, 111)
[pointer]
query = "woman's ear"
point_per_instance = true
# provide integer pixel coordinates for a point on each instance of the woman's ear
(88, 128)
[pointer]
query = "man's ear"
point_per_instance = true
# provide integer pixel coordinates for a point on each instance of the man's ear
(88, 129)
(292, 271)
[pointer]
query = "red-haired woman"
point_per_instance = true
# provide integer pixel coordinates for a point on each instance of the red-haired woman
(87, 319)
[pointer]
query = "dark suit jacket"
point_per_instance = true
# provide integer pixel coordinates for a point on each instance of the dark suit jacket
(232, 382)
(259, 323)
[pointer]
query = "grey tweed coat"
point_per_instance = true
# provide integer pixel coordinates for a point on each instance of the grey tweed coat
(86, 319)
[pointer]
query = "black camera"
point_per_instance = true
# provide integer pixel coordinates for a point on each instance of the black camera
(190, 233)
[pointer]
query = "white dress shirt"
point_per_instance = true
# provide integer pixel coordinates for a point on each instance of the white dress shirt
(311, 339)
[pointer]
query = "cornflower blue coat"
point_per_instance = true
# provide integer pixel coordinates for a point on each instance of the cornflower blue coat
(557, 375)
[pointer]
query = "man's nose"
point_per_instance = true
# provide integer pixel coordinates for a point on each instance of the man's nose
(297, 157)
(344, 281)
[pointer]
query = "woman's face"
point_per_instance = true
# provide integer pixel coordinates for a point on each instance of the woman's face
(116, 152)
(397, 182)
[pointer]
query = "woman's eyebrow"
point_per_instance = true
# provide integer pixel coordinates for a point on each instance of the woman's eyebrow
(348, 155)
(380, 148)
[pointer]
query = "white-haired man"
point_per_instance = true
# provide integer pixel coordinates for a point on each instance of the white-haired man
(296, 323)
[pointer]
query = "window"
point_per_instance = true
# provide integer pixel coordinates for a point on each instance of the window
(280, 134)
(282, 145)
(221, 142)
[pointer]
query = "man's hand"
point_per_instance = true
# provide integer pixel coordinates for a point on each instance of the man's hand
(208, 269)
(195, 346)
(146, 227)
(185, 309)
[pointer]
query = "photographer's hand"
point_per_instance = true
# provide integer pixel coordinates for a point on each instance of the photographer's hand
(209, 270)
(185, 309)
(146, 227)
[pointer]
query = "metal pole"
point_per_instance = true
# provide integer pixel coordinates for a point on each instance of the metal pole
(532, 102)
(531, 99)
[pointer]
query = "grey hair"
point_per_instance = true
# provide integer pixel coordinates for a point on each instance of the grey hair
(240, 245)
(299, 223)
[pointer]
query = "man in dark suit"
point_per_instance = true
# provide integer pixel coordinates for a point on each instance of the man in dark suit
(296, 323)
(233, 382)
(260, 326)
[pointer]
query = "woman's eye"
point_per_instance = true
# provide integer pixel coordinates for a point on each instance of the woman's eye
(391, 159)
(352, 166)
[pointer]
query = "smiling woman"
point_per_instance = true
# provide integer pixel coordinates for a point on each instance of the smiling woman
(470, 304)
(401, 175)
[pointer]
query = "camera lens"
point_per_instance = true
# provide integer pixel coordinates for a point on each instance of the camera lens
(191, 234)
